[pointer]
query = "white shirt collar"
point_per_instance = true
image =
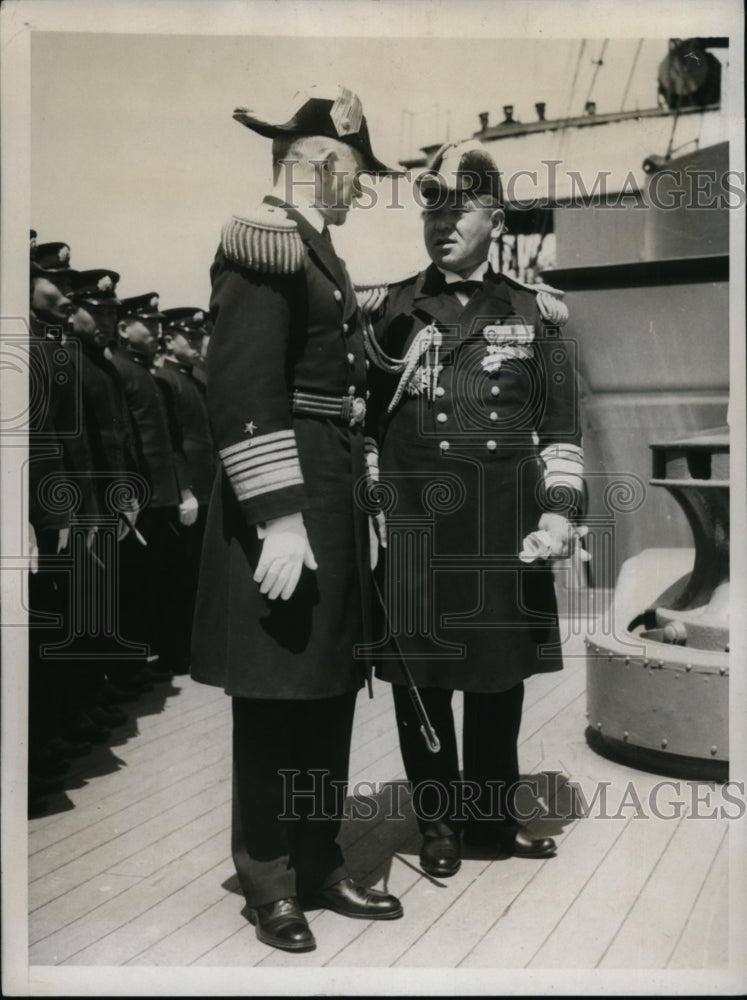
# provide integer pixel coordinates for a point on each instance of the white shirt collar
(477, 275)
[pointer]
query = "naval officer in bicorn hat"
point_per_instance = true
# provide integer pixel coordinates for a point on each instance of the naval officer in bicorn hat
(283, 595)
(480, 445)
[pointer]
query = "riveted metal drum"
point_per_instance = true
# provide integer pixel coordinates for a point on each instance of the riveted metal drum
(657, 675)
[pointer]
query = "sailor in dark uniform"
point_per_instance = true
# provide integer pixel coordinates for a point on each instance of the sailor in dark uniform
(145, 570)
(195, 462)
(480, 447)
(57, 456)
(119, 477)
(283, 596)
(77, 707)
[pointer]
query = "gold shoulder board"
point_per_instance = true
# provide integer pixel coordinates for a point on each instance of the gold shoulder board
(264, 240)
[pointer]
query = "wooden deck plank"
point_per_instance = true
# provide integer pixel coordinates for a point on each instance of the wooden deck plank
(514, 933)
(73, 938)
(132, 876)
(93, 803)
(78, 902)
(166, 915)
(111, 855)
(586, 929)
(117, 838)
(704, 942)
(654, 923)
(199, 935)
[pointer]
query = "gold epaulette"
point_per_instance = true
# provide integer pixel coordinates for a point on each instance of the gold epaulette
(264, 240)
(551, 309)
(371, 297)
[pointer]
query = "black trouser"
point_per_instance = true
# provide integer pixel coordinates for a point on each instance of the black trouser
(284, 844)
(483, 803)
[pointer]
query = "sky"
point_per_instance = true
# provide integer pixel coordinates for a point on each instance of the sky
(136, 161)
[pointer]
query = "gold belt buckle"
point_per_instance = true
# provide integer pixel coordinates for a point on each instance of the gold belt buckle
(358, 411)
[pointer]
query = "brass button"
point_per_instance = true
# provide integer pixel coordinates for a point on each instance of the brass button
(337, 295)
(493, 416)
(491, 445)
(440, 391)
(351, 358)
(351, 390)
(444, 446)
(495, 391)
(345, 327)
(368, 393)
(368, 363)
(441, 418)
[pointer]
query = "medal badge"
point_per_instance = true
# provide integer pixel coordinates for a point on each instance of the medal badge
(506, 341)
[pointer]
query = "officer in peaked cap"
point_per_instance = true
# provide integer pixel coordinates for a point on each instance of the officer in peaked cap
(194, 457)
(283, 596)
(479, 440)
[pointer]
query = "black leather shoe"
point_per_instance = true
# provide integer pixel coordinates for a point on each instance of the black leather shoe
(353, 900)
(441, 856)
(282, 924)
(521, 844)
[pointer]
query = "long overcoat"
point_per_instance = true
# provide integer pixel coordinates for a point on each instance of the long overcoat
(462, 467)
(275, 333)
(150, 426)
(191, 441)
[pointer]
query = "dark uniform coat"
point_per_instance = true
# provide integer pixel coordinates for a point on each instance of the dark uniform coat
(108, 423)
(273, 333)
(151, 428)
(59, 447)
(184, 396)
(466, 481)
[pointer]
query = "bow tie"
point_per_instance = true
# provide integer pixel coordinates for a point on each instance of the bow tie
(468, 287)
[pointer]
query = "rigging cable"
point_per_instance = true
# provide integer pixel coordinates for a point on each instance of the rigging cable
(599, 62)
(575, 78)
(632, 71)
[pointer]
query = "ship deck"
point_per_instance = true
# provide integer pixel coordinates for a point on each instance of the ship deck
(133, 866)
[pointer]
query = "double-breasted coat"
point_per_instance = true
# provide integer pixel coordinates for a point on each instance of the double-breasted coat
(192, 443)
(465, 461)
(296, 327)
(150, 426)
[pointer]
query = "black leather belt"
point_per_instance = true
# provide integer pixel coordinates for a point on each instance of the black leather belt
(350, 410)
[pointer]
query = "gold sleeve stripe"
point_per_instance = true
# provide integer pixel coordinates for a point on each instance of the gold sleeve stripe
(247, 460)
(262, 464)
(253, 442)
(268, 482)
(564, 465)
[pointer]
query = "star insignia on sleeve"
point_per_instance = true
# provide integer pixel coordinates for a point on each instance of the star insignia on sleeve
(250, 428)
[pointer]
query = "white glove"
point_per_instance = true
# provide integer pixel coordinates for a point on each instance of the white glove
(376, 536)
(556, 538)
(33, 549)
(285, 551)
(188, 509)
